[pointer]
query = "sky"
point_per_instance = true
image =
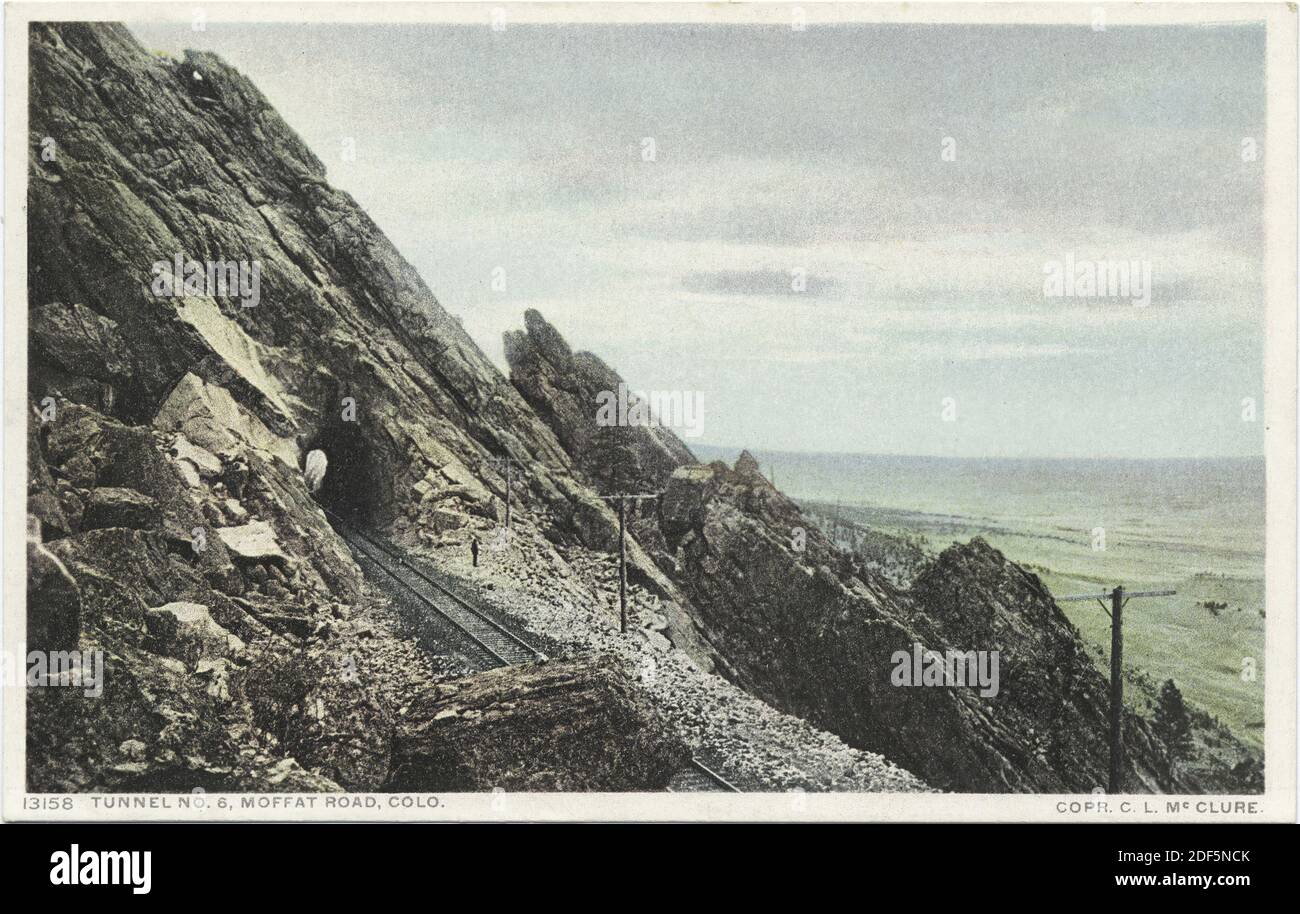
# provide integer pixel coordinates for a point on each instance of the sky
(921, 179)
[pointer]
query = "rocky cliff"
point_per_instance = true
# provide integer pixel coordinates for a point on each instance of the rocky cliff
(171, 527)
(814, 632)
(561, 385)
(151, 158)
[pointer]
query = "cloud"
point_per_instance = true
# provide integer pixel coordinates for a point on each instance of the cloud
(795, 281)
(820, 150)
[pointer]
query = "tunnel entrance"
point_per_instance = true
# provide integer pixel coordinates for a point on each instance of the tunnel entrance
(353, 485)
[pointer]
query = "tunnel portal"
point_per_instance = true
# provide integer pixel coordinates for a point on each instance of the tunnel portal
(354, 484)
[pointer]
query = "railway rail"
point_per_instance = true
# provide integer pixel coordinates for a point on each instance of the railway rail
(490, 644)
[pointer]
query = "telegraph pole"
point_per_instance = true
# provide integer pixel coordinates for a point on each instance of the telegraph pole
(622, 552)
(1116, 690)
(1118, 597)
(622, 566)
(510, 463)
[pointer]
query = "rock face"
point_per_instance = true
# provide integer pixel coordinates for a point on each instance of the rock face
(188, 632)
(170, 522)
(79, 351)
(564, 388)
(572, 725)
(815, 633)
(346, 349)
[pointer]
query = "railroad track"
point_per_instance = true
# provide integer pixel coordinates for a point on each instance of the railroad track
(700, 778)
(489, 642)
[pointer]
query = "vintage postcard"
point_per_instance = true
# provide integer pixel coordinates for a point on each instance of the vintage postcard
(725, 412)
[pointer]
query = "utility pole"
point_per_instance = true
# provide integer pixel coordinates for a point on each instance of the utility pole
(509, 463)
(1118, 598)
(622, 552)
(622, 566)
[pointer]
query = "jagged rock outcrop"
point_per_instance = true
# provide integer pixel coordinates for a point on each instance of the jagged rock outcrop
(814, 632)
(154, 158)
(564, 386)
(572, 725)
(797, 624)
(170, 420)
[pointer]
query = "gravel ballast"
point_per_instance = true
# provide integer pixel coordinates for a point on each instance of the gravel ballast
(569, 604)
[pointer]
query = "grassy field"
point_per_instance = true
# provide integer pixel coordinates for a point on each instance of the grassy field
(1203, 638)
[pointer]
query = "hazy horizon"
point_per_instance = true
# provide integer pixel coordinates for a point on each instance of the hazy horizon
(521, 151)
(1172, 458)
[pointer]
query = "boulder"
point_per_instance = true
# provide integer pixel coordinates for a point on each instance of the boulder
(208, 416)
(252, 542)
(79, 341)
(442, 520)
(91, 451)
(116, 506)
(189, 474)
(206, 463)
(78, 353)
(570, 725)
(133, 750)
(188, 632)
(74, 443)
